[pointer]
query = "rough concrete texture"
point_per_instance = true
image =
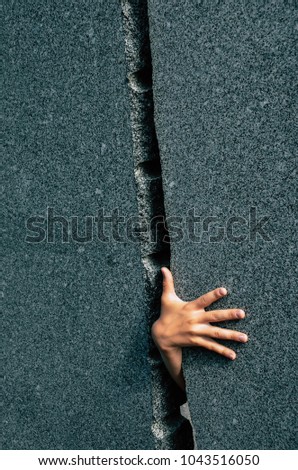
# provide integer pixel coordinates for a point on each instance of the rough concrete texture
(77, 374)
(223, 83)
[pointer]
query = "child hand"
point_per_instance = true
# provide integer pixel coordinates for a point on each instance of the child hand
(188, 324)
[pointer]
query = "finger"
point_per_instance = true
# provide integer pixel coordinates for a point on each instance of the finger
(222, 315)
(208, 299)
(168, 281)
(224, 333)
(212, 345)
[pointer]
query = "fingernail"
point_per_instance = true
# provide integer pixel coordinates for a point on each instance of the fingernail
(232, 356)
(243, 338)
(222, 291)
(240, 314)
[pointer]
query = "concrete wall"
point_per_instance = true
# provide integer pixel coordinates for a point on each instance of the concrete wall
(81, 370)
(86, 132)
(223, 81)
(77, 372)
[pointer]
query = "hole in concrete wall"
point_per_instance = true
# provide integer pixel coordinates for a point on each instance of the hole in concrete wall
(151, 168)
(141, 80)
(184, 410)
(160, 258)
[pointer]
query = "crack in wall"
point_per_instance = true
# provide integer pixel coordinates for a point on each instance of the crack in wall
(171, 430)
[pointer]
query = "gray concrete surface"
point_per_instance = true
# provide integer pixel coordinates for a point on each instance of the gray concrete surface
(76, 368)
(223, 82)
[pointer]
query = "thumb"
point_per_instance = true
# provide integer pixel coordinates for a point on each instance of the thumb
(167, 282)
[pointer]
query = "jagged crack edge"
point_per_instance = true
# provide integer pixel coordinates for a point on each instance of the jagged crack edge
(138, 57)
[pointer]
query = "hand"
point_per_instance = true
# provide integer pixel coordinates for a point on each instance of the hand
(188, 324)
